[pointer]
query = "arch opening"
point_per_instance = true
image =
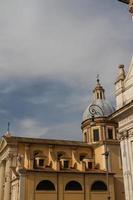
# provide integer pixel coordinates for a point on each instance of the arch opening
(99, 186)
(73, 186)
(45, 185)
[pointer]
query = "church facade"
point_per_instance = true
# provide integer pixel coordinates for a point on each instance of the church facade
(124, 116)
(37, 169)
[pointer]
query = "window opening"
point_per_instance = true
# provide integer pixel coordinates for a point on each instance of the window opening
(66, 164)
(45, 185)
(82, 157)
(85, 137)
(99, 186)
(96, 135)
(41, 162)
(100, 95)
(110, 133)
(73, 185)
(89, 165)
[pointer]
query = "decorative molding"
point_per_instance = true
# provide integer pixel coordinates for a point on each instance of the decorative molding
(95, 111)
(125, 134)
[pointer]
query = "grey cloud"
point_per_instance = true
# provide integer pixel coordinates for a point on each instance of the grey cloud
(56, 38)
(41, 103)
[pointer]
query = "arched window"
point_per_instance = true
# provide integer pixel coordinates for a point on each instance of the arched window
(99, 186)
(45, 185)
(73, 185)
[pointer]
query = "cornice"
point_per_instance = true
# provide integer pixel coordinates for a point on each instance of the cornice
(98, 121)
(121, 110)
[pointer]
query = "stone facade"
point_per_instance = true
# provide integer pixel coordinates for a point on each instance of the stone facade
(124, 117)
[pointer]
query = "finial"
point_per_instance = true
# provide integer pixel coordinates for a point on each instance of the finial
(98, 78)
(8, 128)
(8, 134)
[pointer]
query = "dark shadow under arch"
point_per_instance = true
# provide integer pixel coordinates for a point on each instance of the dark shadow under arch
(45, 185)
(99, 186)
(73, 185)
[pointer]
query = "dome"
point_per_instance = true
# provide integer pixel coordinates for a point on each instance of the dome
(99, 107)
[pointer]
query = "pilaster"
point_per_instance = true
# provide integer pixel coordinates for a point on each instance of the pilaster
(2, 177)
(27, 156)
(22, 186)
(126, 150)
(7, 189)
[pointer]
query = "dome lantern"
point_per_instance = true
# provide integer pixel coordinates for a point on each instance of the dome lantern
(98, 92)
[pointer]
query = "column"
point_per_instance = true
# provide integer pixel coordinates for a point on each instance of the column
(21, 186)
(7, 189)
(2, 176)
(126, 167)
(128, 172)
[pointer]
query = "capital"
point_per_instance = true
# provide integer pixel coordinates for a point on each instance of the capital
(123, 135)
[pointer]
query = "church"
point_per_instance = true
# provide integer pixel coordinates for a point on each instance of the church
(97, 168)
(38, 169)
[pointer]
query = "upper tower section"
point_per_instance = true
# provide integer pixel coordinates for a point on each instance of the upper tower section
(98, 92)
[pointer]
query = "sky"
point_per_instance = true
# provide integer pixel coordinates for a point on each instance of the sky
(50, 54)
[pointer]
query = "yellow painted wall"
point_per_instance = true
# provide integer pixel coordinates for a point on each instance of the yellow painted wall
(98, 196)
(119, 188)
(74, 196)
(46, 196)
(99, 158)
(60, 181)
(114, 158)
